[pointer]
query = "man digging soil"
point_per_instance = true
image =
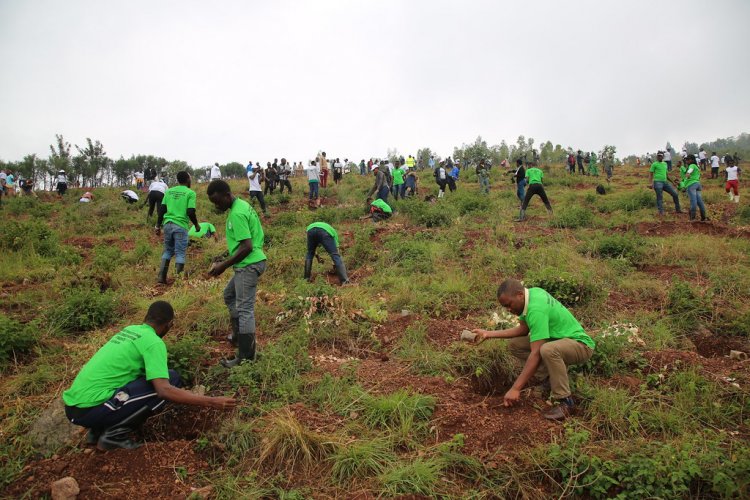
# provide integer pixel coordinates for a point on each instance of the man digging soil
(127, 380)
(547, 340)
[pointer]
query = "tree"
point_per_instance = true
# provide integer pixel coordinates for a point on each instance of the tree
(59, 158)
(233, 170)
(423, 158)
(503, 150)
(90, 162)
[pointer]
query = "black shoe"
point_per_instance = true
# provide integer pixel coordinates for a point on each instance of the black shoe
(92, 436)
(308, 269)
(163, 270)
(117, 437)
(232, 337)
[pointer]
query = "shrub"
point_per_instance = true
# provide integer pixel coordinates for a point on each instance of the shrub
(187, 353)
(362, 459)
(397, 410)
(491, 367)
(239, 438)
(619, 246)
(15, 338)
(572, 218)
(686, 308)
(418, 477)
(569, 289)
(429, 214)
(34, 234)
(84, 309)
(288, 445)
(635, 201)
(410, 254)
(107, 257)
(743, 215)
(471, 202)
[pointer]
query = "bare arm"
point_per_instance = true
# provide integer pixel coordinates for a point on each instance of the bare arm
(517, 331)
(246, 246)
(532, 363)
(165, 390)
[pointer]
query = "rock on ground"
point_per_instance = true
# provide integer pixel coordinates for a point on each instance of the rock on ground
(53, 430)
(65, 489)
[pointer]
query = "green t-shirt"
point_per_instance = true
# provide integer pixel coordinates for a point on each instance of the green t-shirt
(382, 206)
(207, 230)
(534, 175)
(549, 320)
(243, 224)
(398, 176)
(327, 228)
(659, 169)
(177, 200)
(693, 177)
(135, 352)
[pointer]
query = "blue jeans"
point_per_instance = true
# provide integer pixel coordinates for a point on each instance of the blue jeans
(660, 186)
(175, 242)
(484, 184)
(696, 200)
(521, 190)
(124, 402)
(314, 187)
(317, 236)
(239, 296)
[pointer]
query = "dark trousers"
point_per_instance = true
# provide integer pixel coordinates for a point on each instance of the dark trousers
(61, 188)
(382, 193)
(270, 186)
(154, 199)
(580, 166)
(259, 196)
(285, 182)
(451, 183)
(535, 189)
(126, 400)
(317, 236)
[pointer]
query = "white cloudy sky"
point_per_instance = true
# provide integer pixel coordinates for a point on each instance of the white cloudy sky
(233, 81)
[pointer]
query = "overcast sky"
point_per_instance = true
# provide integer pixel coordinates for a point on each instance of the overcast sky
(250, 80)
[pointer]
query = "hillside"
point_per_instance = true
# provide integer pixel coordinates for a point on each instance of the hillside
(365, 390)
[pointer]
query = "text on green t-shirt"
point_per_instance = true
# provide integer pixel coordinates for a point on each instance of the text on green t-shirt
(547, 319)
(135, 352)
(177, 200)
(243, 224)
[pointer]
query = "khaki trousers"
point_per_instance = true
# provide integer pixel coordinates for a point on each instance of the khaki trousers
(557, 355)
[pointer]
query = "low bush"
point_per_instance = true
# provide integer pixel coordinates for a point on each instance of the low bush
(468, 202)
(417, 477)
(687, 309)
(32, 234)
(568, 288)
(743, 215)
(84, 309)
(107, 257)
(572, 218)
(187, 353)
(362, 459)
(618, 246)
(429, 214)
(15, 338)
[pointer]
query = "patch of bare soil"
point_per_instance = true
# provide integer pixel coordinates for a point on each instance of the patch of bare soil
(167, 466)
(709, 345)
(618, 301)
(711, 228)
(488, 427)
(719, 369)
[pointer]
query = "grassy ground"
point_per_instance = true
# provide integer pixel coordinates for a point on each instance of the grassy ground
(365, 391)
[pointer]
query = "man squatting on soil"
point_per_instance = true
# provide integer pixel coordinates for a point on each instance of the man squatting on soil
(127, 380)
(547, 339)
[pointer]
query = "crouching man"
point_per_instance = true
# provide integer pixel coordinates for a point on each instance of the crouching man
(127, 380)
(548, 340)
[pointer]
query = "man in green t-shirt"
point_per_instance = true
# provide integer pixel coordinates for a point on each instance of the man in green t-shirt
(398, 189)
(657, 178)
(176, 210)
(127, 380)
(535, 187)
(245, 243)
(379, 210)
(207, 230)
(320, 233)
(547, 339)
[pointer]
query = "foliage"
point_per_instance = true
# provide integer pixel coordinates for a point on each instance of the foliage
(84, 309)
(428, 214)
(30, 234)
(686, 308)
(572, 218)
(568, 288)
(416, 477)
(187, 353)
(15, 338)
(620, 246)
(361, 459)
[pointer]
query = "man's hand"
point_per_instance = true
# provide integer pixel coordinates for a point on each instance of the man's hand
(216, 269)
(481, 335)
(319, 258)
(223, 403)
(511, 397)
(157, 230)
(197, 228)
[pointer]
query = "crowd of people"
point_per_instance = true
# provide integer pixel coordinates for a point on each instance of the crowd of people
(127, 380)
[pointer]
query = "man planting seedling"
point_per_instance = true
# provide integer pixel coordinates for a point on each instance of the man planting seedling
(548, 339)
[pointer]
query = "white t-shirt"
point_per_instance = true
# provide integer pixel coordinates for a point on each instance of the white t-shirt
(254, 181)
(62, 178)
(441, 173)
(732, 173)
(215, 173)
(138, 175)
(158, 186)
(130, 194)
(84, 200)
(714, 161)
(701, 155)
(667, 156)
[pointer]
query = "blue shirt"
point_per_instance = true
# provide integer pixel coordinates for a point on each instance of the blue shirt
(249, 168)
(454, 172)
